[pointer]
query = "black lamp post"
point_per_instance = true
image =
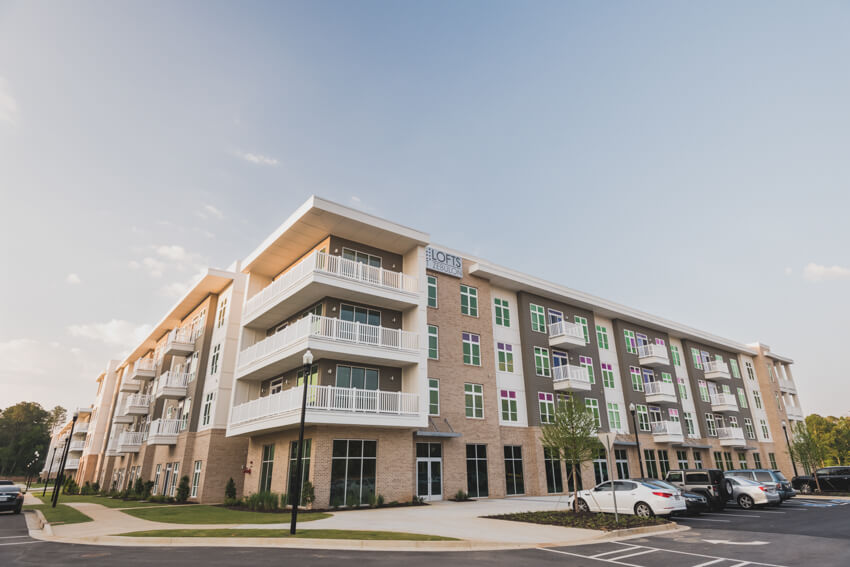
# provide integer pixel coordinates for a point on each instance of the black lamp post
(61, 472)
(43, 492)
(299, 469)
(790, 452)
(29, 472)
(637, 441)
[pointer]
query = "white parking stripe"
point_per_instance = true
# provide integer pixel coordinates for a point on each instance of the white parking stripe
(709, 563)
(713, 559)
(736, 515)
(703, 519)
(629, 548)
(21, 542)
(13, 536)
(645, 551)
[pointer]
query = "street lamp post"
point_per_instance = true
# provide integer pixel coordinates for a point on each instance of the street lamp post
(296, 490)
(61, 472)
(52, 456)
(637, 441)
(29, 472)
(788, 442)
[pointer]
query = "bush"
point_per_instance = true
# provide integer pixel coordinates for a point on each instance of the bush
(336, 502)
(380, 501)
(353, 497)
(263, 502)
(70, 486)
(230, 490)
(183, 489)
(95, 487)
(461, 496)
(138, 487)
(86, 489)
(232, 502)
(146, 490)
(308, 494)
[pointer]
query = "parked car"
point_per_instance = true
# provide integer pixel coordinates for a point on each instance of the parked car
(695, 503)
(6, 483)
(831, 479)
(767, 476)
(633, 497)
(749, 493)
(11, 498)
(708, 482)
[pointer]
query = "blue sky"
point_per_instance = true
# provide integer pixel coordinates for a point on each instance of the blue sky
(686, 159)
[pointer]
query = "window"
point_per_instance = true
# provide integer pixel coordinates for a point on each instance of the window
(207, 413)
(505, 355)
(643, 417)
(677, 360)
(600, 467)
(613, 416)
(742, 460)
(764, 431)
(476, 471)
(175, 476)
(718, 460)
(362, 257)
(538, 318)
(602, 337)
(432, 291)
(663, 462)
(546, 402)
(733, 364)
(703, 390)
(607, 375)
(750, 374)
(637, 379)
(513, 470)
(468, 301)
(709, 424)
(621, 459)
(433, 396)
(214, 362)
(183, 413)
(433, 342)
(196, 479)
(757, 399)
(509, 406)
(474, 394)
(349, 377)
(757, 460)
(772, 460)
(352, 471)
(587, 362)
(748, 426)
(683, 388)
(552, 464)
(631, 343)
(697, 460)
(696, 358)
(682, 460)
(503, 312)
(649, 461)
(666, 377)
(689, 423)
(727, 456)
(592, 406)
(222, 312)
(673, 414)
(266, 468)
(583, 322)
(293, 468)
(362, 315)
(742, 398)
(541, 361)
(156, 479)
(471, 349)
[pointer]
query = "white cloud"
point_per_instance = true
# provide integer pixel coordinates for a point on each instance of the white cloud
(213, 212)
(173, 252)
(115, 332)
(175, 290)
(788, 271)
(817, 273)
(73, 279)
(8, 104)
(154, 266)
(258, 159)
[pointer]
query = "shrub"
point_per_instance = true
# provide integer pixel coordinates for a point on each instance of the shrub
(147, 489)
(373, 500)
(95, 487)
(263, 502)
(183, 489)
(336, 502)
(380, 501)
(70, 486)
(86, 489)
(232, 502)
(230, 490)
(308, 494)
(461, 496)
(139, 487)
(353, 496)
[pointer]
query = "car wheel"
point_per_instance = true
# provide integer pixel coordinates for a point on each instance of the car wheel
(643, 510)
(582, 506)
(17, 510)
(806, 489)
(745, 502)
(729, 488)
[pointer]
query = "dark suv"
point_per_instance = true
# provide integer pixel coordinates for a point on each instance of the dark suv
(708, 482)
(767, 476)
(831, 479)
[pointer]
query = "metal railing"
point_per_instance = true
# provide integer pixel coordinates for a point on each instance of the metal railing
(571, 373)
(666, 428)
(328, 398)
(333, 265)
(566, 329)
(137, 400)
(171, 379)
(723, 399)
(77, 446)
(131, 438)
(166, 427)
(650, 349)
(72, 464)
(184, 337)
(730, 433)
(659, 388)
(787, 385)
(715, 366)
(144, 365)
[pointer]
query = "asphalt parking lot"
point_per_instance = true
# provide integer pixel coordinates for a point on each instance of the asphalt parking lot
(800, 533)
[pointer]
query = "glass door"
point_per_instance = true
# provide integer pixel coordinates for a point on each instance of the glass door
(429, 471)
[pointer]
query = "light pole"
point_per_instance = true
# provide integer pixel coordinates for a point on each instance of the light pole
(637, 441)
(29, 473)
(296, 490)
(43, 492)
(61, 472)
(788, 442)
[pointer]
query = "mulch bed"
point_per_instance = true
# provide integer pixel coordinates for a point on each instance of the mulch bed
(587, 520)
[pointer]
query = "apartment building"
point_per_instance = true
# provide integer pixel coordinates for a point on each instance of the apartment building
(96, 428)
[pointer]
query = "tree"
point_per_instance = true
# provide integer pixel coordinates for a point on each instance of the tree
(230, 490)
(183, 490)
(572, 436)
(23, 431)
(805, 449)
(56, 417)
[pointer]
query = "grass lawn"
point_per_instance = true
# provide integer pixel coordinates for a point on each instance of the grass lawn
(202, 514)
(314, 534)
(587, 520)
(61, 514)
(102, 500)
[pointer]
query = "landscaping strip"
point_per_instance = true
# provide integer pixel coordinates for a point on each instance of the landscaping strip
(61, 515)
(586, 520)
(102, 500)
(203, 514)
(309, 534)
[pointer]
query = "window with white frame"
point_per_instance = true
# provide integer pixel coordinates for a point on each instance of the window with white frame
(683, 388)
(582, 321)
(546, 403)
(541, 361)
(709, 424)
(703, 390)
(502, 311)
(505, 357)
(468, 301)
(432, 291)
(637, 379)
(602, 337)
(733, 365)
(757, 399)
(433, 396)
(592, 405)
(750, 373)
(587, 363)
(538, 318)
(689, 423)
(748, 426)
(471, 349)
(696, 358)
(631, 342)
(474, 400)
(643, 417)
(207, 412)
(216, 352)
(614, 416)
(607, 375)
(508, 401)
(433, 342)
(222, 312)
(196, 479)
(742, 398)
(764, 430)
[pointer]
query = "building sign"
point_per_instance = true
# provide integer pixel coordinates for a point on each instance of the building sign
(441, 261)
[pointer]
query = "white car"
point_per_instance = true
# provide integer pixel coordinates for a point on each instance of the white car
(633, 497)
(749, 493)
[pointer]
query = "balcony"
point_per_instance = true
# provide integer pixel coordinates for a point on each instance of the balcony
(143, 369)
(721, 402)
(163, 432)
(181, 342)
(794, 413)
(565, 335)
(660, 392)
(129, 386)
(173, 385)
(652, 355)
(112, 447)
(130, 441)
(137, 404)
(320, 275)
(715, 370)
(787, 386)
(570, 377)
(327, 405)
(327, 337)
(667, 432)
(120, 416)
(81, 428)
(731, 437)
(77, 445)
(72, 464)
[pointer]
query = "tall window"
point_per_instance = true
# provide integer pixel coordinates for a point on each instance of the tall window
(631, 342)
(207, 413)
(703, 390)
(682, 460)
(727, 456)
(587, 363)
(214, 362)
(552, 464)
(432, 291)
(476, 471)
(266, 468)
(718, 460)
(697, 459)
(156, 479)
(764, 431)
(757, 399)
(474, 398)
(196, 478)
(183, 413)
(757, 460)
(683, 389)
(362, 257)
(541, 361)
(621, 459)
(742, 398)
(748, 426)
(538, 318)
(742, 460)
(351, 377)
(353, 465)
(507, 399)
(613, 416)
(637, 379)
(505, 355)
(709, 424)
(175, 476)
(772, 460)
(602, 337)
(433, 396)
(222, 312)
(663, 462)
(592, 406)
(433, 342)
(651, 466)
(689, 423)
(468, 301)
(733, 365)
(546, 402)
(471, 349)
(293, 467)
(643, 417)
(583, 322)
(607, 375)
(674, 351)
(696, 358)
(666, 377)
(513, 470)
(750, 374)
(503, 312)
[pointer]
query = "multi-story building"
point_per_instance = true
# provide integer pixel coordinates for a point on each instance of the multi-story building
(97, 425)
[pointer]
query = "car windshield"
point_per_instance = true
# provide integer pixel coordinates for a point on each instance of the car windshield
(7, 488)
(780, 476)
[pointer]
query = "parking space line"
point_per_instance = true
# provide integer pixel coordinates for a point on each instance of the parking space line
(633, 554)
(13, 536)
(21, 542)
(629, 548)
(709, 563)
(713, 559)
(703, 519)
(736, 515)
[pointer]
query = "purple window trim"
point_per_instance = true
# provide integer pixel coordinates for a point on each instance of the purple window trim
(510, 394)
(606, 366)
(585, 360)
(544, 397)
(473, 338)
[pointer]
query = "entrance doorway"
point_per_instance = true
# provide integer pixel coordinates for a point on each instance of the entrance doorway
(429, 471)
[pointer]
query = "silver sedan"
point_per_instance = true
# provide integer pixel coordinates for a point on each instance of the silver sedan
(748, 493)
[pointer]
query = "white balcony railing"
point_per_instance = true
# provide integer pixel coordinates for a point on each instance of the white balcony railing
(81, 428)
(181, 339)
(112, 446)
(653, 351)
(794, 412)
(315, 326)
(666, 428)
(723, 399)
(130, 440)
(143, 365)
(136, 402)
(566, 329)
(333, 265)
(77, 446)
(173, 384)
(330, 399)
(730, 434)
(787, 386)
(572, 373)
(659, 389)
(716, 367)
(72, 464)
(163, 431)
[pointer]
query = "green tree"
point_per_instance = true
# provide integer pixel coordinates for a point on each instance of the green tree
(23, 431)
(806, 449)
(56, 417)
(572, 436)
(183, 489)
(230, 490)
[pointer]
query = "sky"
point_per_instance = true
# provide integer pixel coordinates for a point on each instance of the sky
(687, 159)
